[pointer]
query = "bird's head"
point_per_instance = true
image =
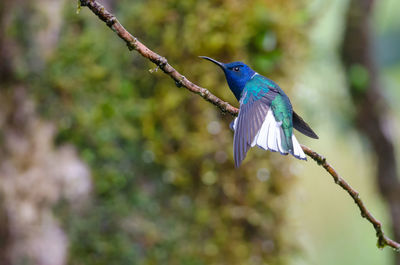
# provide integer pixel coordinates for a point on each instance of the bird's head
(237, 74)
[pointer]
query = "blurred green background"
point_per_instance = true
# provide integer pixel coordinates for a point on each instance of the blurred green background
(105, 161)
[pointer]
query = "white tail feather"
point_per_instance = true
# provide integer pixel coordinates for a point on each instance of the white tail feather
(261, 140)
(271, 141)
(279, 140)
(297, 150)
(256, 138)
(234, 124)
(269, 137)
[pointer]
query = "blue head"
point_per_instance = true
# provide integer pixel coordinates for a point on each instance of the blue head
(237, 74)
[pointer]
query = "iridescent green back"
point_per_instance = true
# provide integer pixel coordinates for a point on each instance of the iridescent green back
(259, 87)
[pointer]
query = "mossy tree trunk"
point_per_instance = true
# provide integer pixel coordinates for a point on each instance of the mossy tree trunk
(371, 107)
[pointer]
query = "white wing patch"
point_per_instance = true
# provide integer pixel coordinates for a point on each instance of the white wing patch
(269, 137)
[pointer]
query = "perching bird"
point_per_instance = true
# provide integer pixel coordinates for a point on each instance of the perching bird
(266, 117)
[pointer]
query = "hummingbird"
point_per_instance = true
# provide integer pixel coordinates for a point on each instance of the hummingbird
(266, 117)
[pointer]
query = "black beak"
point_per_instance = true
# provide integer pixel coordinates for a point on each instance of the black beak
(214, 61)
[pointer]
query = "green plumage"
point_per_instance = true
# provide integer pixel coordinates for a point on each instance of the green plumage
(266, 118)
(260, 86)
(255, 89)
(282, 110)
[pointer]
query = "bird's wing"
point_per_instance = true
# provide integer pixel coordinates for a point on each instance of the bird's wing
(252, 113)
(300, 125)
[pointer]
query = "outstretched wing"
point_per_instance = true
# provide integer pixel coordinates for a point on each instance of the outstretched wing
(300, 125)
(254, 106)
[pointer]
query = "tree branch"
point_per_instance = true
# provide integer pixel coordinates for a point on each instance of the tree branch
(181, 81)
(383, 240)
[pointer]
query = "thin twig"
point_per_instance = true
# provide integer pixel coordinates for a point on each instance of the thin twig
(134, 44)
(181, 81)
(383, 240)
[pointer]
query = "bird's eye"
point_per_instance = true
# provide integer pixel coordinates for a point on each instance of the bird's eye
(236, 69)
